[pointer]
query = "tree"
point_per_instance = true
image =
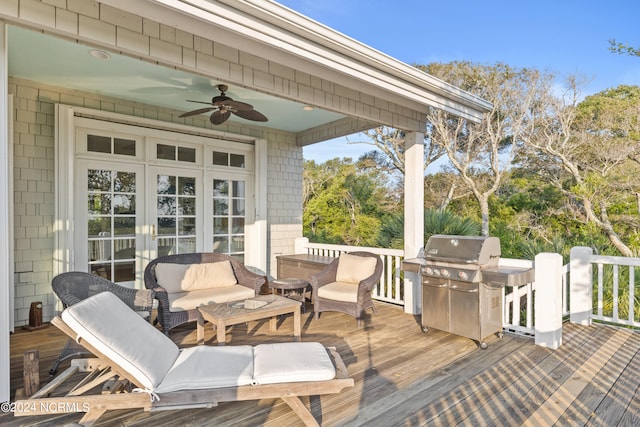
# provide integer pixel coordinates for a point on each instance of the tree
(436, 221)
(481, 153)
(343, 204)
(623, 48)
(590, 151)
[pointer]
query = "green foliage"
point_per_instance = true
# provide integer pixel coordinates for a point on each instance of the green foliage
(439, 221)
(623, 48)
(436, 221)
(343, 203)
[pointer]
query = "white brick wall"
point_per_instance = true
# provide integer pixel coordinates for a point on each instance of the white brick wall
(34, 183)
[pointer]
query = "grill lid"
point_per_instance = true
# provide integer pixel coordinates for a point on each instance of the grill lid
(478, 250)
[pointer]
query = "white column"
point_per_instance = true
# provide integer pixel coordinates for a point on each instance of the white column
(6, 173)
(548, 300)
(256, 246)
(413, 216)
(580, 286)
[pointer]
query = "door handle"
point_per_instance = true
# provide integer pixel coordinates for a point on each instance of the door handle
(153, 232)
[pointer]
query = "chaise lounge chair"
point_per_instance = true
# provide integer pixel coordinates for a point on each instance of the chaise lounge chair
(143, 368)
(74, 286)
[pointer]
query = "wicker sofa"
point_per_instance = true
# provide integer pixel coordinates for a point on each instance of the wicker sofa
(184, 282)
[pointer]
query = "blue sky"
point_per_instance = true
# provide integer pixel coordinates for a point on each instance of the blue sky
(562, 36)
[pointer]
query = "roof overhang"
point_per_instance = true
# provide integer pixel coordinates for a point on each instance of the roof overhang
(268, 29)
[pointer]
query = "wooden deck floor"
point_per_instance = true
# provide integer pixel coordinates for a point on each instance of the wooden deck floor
(406, 378)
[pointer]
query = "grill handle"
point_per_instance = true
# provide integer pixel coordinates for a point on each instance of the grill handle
(467, 289)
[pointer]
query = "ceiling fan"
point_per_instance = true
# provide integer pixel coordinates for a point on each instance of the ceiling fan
(222, 107)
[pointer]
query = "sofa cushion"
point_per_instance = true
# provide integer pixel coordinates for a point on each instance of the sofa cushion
(170, 275)
(291, 362)
(194, 277)
(354, 268)
(339, 291)
(203, 367)
(208, 275)
(182, 301)
(115, 330)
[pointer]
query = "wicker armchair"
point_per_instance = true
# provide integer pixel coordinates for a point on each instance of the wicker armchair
(170, 319)
(75, 286)
(353, 305)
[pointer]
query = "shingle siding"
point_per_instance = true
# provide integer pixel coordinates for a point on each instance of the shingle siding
(34, 191)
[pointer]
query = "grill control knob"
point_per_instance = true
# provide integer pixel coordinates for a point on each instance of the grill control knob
(445, 273)
(427, 270)
(462, 275)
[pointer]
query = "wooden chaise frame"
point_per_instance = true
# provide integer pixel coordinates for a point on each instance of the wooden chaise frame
(116, 383)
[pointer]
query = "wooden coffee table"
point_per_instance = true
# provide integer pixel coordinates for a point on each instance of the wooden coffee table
(226, 314)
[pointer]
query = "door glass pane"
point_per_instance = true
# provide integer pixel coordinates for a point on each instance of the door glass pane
(176, 214)
(228, 225)
(111, 224)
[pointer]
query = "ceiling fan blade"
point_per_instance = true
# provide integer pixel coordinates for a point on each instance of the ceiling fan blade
(196, 112)
(200, 102)
(251, 115)
(218, 117)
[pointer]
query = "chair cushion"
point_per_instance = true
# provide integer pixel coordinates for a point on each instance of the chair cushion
(182, 301)
(195, 277)
(203, 367)
(115, 330)
(291, 362)
(354, 268)
(339, 291)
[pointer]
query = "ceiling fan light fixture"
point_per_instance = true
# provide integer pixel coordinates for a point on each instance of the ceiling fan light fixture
(99, 54)
(223, 106)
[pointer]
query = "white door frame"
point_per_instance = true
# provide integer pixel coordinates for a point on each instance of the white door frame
(255, 254)
(6, 213)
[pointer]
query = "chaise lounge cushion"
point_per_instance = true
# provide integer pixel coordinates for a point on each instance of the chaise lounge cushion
(123, 336)
(157, 364)
(292, 362)
(183, 301)
(205, 367)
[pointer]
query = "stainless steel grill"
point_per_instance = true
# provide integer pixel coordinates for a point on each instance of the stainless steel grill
(462, 285)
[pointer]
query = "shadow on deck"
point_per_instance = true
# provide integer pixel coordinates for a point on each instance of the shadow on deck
(405, 377)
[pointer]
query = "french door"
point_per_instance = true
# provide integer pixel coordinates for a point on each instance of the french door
(174, 211)
(110, 218)
(127, 217)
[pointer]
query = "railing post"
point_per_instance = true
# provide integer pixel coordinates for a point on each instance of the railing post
(548, 300)
(580, 286)
(301, 244)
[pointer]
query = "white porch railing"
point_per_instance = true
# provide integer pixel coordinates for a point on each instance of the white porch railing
(617, 295)
(518, 302)
(389, 289)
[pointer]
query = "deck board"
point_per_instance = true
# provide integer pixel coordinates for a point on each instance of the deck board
(404, 377)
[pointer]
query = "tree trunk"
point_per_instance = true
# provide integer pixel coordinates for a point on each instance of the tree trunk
(606, 226)
(484, 210)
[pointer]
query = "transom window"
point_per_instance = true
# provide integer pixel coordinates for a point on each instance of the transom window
(228, 159)
(111, 145)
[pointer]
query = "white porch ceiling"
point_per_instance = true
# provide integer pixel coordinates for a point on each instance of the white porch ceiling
(53, 61)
